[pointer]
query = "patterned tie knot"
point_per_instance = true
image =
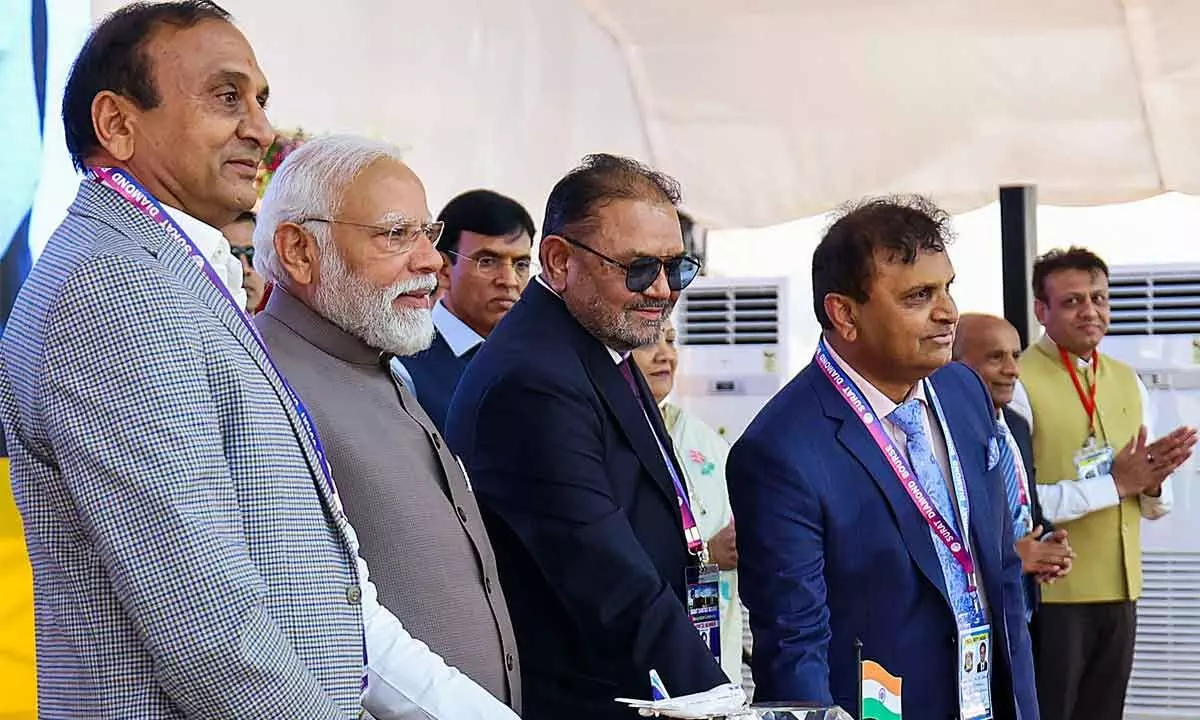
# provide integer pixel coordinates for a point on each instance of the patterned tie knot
(907, 417)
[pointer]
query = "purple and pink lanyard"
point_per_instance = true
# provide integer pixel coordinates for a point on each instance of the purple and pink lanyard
(132, 191)
(942, 529)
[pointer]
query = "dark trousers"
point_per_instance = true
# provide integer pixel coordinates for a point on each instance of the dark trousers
(1084, 656)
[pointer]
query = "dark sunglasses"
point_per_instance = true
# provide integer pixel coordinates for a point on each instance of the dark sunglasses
(243, 252)
(641, 273)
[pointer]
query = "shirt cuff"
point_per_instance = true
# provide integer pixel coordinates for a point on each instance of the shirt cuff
(1069, 500)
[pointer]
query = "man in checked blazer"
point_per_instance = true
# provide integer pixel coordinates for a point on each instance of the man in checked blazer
(190, 556)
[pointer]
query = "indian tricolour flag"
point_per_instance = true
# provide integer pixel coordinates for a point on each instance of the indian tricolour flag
(880, 693)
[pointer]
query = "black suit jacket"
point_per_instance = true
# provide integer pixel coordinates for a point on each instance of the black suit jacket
(582, 515)
(1023, 436)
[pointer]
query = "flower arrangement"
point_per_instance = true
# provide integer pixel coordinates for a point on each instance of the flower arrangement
(285, 143)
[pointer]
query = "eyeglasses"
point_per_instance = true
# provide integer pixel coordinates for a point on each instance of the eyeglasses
(400, 237)
(490, 266)
(641, 273)
(242, 252)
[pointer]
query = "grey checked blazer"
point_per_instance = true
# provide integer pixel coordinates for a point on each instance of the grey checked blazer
(188, 558)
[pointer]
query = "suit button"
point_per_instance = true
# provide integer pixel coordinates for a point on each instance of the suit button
(487, 585)
(353, 595)
(462, 514)
(437, 441)
(509, 662)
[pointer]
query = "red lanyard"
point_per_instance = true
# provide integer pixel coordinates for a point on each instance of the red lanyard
(1088, 400)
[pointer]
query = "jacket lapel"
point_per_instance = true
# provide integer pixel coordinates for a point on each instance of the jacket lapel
(615, 393)
(858, 441)
(107, 206)
(984, 545)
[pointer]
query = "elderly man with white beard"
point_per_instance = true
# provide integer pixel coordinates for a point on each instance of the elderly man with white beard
(345, 233)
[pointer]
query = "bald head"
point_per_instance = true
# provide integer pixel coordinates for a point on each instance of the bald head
(992, 347)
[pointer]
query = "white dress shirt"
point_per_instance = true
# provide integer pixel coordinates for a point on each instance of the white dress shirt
(215, 249)
(1072, 498)
(458, 336)
(408, 681)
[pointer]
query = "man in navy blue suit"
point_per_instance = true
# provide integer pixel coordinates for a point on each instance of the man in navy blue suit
(486, 244)
(575, 473)
(868, 497)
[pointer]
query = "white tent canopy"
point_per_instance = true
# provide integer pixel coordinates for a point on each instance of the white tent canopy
(776, 109)
(766, 110)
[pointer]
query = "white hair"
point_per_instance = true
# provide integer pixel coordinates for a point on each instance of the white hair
(311, 183)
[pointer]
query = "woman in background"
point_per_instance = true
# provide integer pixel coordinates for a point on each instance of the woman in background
(702, 453)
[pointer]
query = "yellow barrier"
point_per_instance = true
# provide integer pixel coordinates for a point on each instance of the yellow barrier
(18, 685)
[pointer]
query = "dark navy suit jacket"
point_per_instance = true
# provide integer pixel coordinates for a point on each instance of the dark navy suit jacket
(582, 515)
(1021, 432)
(833, 551)
(435, 373)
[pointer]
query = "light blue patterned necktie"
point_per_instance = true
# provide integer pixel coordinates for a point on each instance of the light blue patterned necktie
(1012, 483)
(907, 416)
(1021, 515)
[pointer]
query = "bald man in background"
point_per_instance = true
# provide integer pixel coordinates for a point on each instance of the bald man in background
(991, 346)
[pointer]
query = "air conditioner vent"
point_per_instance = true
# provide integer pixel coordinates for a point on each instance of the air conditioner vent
(1166, 667)
(1155, 303)
(737, 315)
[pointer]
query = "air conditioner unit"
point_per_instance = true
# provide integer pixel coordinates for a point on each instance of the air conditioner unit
(740, 341)
(1156, 329)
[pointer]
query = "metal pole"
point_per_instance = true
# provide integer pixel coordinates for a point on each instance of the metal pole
(1018, 248)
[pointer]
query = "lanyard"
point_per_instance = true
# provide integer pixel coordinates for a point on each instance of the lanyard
(124, 185)
(1022, 481)
(1088, 400)
(944, 530)
(691, 530)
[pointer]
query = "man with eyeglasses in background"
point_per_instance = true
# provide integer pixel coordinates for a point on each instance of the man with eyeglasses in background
(486, 243)
(575, 473)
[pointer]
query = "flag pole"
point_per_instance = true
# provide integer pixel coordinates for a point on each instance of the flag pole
(858, 655)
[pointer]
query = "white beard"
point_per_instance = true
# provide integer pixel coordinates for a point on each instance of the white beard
(366, 311)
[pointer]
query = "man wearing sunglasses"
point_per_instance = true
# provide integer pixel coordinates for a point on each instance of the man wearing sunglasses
(486, 246)
(574, 471)
(240, 234)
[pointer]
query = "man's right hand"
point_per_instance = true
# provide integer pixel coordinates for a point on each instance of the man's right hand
(1044, 559)
(1133, 471)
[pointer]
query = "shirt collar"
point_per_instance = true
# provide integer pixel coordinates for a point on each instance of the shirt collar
(881, 404)
(1051, 349)
(457, 334)
(617, 357)
(207, 238)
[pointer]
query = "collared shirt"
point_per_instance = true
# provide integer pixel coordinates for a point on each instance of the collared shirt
(617, 357)
(883, 406)
(1071, 498)
(215, 249)
(457, 334)
(459, 337)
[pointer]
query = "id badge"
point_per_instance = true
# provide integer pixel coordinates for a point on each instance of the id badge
(704, 604)
(975, 672)
(1093, 461)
